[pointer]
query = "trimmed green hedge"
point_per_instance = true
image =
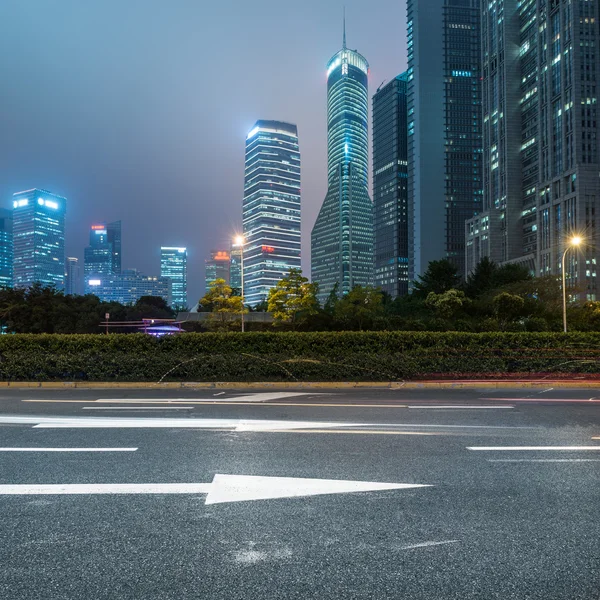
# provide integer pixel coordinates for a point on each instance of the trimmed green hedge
(328, 356)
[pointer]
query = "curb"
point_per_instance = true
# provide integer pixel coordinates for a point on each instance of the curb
(283, 385)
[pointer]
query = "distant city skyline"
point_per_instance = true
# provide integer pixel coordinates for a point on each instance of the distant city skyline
(134, 131)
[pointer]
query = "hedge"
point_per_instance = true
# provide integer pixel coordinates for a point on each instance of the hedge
(289, 356)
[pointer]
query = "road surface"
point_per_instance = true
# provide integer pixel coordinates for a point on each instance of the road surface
(214, 494)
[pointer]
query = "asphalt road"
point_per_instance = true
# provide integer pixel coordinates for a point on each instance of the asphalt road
(512, 507)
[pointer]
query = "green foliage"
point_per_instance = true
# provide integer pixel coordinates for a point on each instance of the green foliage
(359, 309)
(488, 276)
(448, 304)
(507, 307)
(441, 276)
(220, 301)
(294, 356)
(294, 299)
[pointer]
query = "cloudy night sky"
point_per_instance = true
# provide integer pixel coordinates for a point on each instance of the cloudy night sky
(138, 109)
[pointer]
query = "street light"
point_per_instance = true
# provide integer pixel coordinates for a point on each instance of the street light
(572, 243)
(240, 241)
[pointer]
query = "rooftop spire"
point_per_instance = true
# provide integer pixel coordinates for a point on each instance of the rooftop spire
(344, 45)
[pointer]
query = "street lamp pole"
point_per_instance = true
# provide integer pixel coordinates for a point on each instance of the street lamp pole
(574, 242)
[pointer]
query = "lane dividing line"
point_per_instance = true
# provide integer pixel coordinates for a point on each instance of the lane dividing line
(107, 488)
(137, 408)
(544, 460)
(223, 403)
(466, 407)
(429, 544)
(534, 448)
(544, 400)
(68, 449)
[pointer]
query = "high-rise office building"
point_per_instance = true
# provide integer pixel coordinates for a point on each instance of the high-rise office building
(342, 237)
(390, 191)
(444, 128)
(128, 287)
(541, 158)
(103, 255)
(72, 282)
(235, 269)
(38, 239)
(173, 264)
(271, 207)
(217, 267)
(6, 248)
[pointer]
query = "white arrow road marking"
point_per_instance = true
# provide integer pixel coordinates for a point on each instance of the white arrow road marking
(428, 544)
(223, 489)
(240, 488)
(533, 448)
(68, 449)
(264, 397)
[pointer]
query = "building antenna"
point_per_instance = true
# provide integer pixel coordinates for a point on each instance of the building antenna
(344, 45)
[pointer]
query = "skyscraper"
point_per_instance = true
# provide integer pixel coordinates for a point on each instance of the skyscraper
(103, 255)
(128, 287)
(173, 264)
(342, 237)
(6, 248)
(541, 155)
(39, 238)
(271, 207)
(444, 128)
(72, 283)
(390, 191)
(217, 267)
(235, 268)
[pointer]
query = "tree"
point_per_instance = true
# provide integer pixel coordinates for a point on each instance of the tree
(507, 307)
(293, 299)
(441, 276)
(220, 301)
(360, 308)
(488, 276)
(448, 304)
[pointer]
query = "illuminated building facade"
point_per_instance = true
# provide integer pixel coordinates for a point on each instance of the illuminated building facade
(217, 267)
(103, 255)
(38, 239)
(173, 264)
(235, 269)
(271, 207)
(6, 248)
(390, 191)
(72, 282)
(342, 237)
(444, 128)
(541, 154)
(128, 287)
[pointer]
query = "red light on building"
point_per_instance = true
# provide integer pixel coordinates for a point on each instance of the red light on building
(268, 249)
(220, 255)
(98, 227)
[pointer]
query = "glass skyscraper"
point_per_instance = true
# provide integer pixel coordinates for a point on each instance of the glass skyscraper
(271, 207)
(6, 248)
(342, 237)
(540, 148)
(444, 128)
(128, 287)
(235, 270)
(39, 239)
(390, 192)
(173, 264)
(103, 255)
(72, 283)
(218, 266)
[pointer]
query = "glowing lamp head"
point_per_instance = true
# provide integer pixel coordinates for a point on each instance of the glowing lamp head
(239, 240)
(576, 241)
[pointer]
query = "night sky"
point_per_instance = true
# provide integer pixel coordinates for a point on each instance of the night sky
(138, 109)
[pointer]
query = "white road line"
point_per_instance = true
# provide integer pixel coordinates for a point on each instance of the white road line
(68, 449)
(441, 407)
(537, 400)
(107, 488)
(137, 408)
(543, 460)
(258, 398)
(533, 448)
(428, 544)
